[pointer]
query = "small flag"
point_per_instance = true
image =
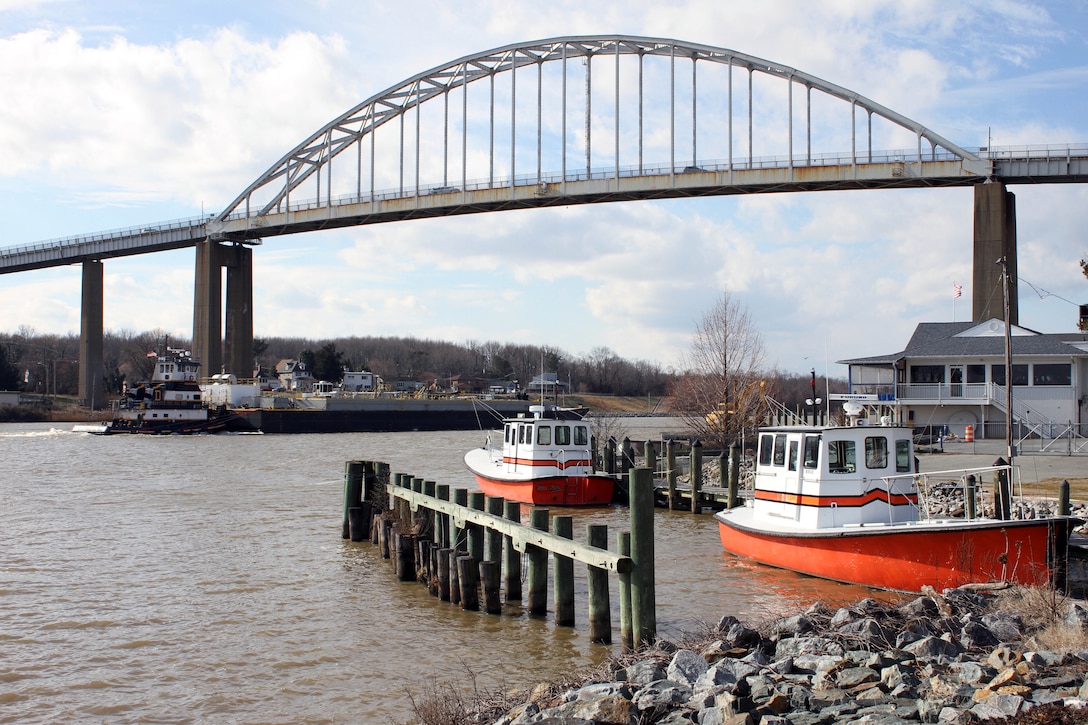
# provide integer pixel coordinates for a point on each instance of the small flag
(957, 290)
(152, 354)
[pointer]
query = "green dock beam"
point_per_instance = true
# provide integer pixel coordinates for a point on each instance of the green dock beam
(643, 597)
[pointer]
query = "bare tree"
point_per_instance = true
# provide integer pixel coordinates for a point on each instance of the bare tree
(723, 389)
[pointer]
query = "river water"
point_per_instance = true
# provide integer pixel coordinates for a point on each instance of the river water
(204, 579)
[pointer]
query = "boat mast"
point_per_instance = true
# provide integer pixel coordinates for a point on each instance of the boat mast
(1008, 361)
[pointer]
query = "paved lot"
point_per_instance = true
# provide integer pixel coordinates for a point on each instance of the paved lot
(1034, 466)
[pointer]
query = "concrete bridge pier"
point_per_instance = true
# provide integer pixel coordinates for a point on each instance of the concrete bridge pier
(208, 343)
(91, 388)
(995, 239)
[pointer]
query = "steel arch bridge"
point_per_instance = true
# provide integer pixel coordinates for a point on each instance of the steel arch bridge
(562, 121)
(659, 118)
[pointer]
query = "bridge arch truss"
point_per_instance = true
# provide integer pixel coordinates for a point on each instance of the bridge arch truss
(582, 119)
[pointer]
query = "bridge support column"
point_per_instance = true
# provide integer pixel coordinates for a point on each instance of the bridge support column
(239, 348)
(235, 356)
(208, 307)
(91, 392)
(995, 238)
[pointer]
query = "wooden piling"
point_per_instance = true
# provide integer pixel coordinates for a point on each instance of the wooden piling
(623, 545)
(493, 539)
(643, 598)
(441, 520)
(670, 463)
(466, 576)
(696, 476)
(459, 539)
(455, 579)
(627, 458)
(406, 563)
(353, 492)
(600, 613)
(564, 574)
(732, 499)
(489, 579)
(650, 456)
(444, 573)
(386, 538)
(1064, 508)
(476, 500)
(512, 563)
(358, 522)
(423, 559)
(610, 457)
(538, 566)
(432, 579)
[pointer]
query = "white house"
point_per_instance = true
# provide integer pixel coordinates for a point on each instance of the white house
(953, 374)
(361, 382)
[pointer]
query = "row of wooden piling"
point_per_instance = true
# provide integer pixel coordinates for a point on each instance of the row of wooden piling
(462, 544)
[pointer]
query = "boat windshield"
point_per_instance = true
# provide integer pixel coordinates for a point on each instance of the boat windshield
(902, 456)
(562, 435)
(812, 451)
(841, 457)
(876, 452)
(544, 435)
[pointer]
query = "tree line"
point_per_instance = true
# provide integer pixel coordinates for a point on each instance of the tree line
(725, 387)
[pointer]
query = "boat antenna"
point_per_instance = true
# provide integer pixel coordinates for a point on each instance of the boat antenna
(1011, 448)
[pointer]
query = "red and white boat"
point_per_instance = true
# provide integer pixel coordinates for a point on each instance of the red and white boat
(541, 459)
(842, 503)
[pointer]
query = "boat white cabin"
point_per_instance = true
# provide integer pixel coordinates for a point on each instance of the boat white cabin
(835, 476)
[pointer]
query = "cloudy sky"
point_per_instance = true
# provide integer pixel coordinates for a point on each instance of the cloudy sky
(119, 113)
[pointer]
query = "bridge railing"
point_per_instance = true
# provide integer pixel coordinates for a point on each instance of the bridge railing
(603, 173)
(122, 233)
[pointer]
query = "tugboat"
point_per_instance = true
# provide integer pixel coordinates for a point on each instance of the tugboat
(845, 503)
(542, 459)
(170, 403)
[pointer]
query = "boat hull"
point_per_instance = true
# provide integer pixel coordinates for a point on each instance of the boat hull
(593, 490)
(907, 558)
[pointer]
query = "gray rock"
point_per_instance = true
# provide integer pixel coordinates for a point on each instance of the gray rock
(976, 635)
(792, 626)
(996, 706)
(921, 607)
(793, 646)
(844, 615)
(854, 676)
(1077, 616)
(971, 673)
(813, 663)
(686, 666)
(643, 673)
(1005, 626)
(929, 648)
(661, 693)
(868, 632)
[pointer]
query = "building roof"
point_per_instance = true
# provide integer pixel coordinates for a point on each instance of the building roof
(973, 339)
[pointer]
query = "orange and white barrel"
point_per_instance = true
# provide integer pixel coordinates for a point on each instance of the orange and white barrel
(969, 434)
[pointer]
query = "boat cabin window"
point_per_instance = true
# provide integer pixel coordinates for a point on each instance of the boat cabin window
(562, 435)
(812, 451)
(795, 449)
(902, 456)
(510, 435)
(841, 457)
(581, 435)
(876, 452)
(766, 443)
(544, 435)
(780, 449)
(522, 436)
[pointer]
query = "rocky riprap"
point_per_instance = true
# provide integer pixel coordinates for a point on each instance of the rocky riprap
(951, 658)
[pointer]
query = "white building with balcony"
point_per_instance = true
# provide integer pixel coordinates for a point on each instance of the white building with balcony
(953, 374)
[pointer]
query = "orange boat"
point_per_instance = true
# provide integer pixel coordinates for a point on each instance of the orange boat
(843, 503)
(541, 459)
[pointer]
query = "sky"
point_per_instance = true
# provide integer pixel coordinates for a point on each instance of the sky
(121, 113)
